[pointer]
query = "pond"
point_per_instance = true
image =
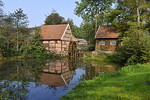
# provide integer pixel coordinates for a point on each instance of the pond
(46, 80)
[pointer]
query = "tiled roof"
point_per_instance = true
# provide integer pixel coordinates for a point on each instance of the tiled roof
(106, 31)
(52, 79)
(52, 31)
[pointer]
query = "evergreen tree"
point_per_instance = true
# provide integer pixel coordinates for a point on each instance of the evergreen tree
(20, 23)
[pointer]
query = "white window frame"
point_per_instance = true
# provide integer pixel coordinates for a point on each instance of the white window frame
(113, 42)
(101, 42)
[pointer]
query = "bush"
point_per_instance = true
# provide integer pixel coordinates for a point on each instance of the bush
(135, 48)
(36, 52)
(91, 47)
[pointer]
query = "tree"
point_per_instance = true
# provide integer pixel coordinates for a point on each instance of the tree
(133, 17)
(129, 11)
(20, 23)
(87, 32)
(1, 12)
(136, 46)
(54, 19)
(138, 9)
(6, 30)
(1, 5)
(90, 10)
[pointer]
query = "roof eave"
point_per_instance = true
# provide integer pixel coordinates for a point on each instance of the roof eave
(107, 38)
(49, 39)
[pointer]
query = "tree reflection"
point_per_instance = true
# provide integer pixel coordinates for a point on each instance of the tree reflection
(15, 77)
(93, 69)
(13, 90)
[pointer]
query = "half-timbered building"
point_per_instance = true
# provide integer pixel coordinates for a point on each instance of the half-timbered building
(58, 38)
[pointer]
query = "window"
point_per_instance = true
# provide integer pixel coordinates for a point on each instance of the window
(65, 42)
(102, 43)
(113, 43)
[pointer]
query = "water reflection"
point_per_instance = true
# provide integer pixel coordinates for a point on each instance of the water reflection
(13, 90)
(95, 68)
(58, 73)
(45, 80)
(15, 77)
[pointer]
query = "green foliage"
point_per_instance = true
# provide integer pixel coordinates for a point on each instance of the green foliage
(1, 10)
(86, 32)
(89, 10)
(18, 40)
(136, 46)
(35, 49)
(129, 83)
(54, 19)
(96, 56)
(14, 33)
(131, 19)
(19, 18)
(20, 23)
(130, 11)
(91, 47)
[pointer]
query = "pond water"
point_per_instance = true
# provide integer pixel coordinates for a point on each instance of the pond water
(46, 80)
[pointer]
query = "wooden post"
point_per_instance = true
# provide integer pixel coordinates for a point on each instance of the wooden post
(61, 45)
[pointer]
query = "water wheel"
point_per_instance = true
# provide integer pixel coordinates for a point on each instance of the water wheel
(72, 50)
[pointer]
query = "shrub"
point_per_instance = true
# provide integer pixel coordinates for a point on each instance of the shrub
(135, 48)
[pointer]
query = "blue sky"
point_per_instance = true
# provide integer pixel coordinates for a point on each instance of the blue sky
(37, 10)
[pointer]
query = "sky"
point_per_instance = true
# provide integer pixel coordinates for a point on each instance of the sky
(37, 10)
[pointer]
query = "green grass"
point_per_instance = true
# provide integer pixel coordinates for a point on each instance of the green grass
(129, 83)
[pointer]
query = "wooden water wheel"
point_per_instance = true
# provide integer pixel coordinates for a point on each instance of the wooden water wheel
(72, 50)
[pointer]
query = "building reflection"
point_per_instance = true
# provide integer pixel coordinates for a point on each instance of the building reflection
(58, 72)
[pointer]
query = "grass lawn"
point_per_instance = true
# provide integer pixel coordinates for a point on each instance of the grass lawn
(130, 83)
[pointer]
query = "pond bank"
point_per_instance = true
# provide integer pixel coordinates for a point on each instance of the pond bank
(130, 83)
(95, 56)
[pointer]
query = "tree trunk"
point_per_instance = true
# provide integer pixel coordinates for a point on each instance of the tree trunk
(138, 15)
(95, 23)
(17, 44)
(138, 12)
(1, 55)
